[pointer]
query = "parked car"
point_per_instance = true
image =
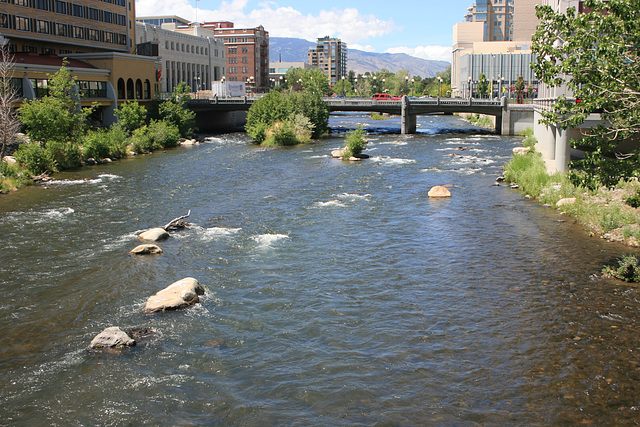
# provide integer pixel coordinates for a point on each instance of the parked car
(385, 97)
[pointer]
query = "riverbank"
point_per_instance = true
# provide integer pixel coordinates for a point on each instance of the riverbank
(610, 213)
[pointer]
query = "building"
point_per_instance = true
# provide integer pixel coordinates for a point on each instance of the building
(497, 16)
(59, 27)
(330, 55)
(247, 54)
(189, 55)
(525, 20)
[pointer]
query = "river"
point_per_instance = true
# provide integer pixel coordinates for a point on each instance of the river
(337, 293)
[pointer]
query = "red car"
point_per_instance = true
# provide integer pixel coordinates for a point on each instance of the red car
(386, 97)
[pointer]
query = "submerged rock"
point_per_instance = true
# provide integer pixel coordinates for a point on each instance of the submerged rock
(154, 234)
(110, 338)
(439, 192)
(147, 249)
(180, 294)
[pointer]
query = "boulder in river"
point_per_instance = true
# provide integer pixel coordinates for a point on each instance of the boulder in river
(180, 294)
(439, 192)
(566, 201)
(111, 338)
(154, 234)
(146, 249)
(521, 150)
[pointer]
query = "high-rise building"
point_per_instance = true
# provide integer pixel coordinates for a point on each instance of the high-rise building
(497, 16)
(330, 55)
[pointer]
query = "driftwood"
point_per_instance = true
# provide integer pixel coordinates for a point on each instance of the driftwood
(177, 223)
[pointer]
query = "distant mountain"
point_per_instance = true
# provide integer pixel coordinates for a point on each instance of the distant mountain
(288, 49)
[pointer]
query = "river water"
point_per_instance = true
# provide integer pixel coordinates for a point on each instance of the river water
(336, 293)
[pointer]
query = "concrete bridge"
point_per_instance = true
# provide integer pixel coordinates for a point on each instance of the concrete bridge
(225, 108)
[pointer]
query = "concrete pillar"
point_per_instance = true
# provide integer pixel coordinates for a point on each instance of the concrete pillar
(562, 150)
(408, 121)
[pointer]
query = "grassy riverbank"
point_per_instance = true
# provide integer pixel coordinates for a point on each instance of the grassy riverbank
(611, 213)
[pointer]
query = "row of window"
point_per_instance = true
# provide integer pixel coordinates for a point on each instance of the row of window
(234, 60)
(185, 48)
(134, 91)
(56, 5)
(86, 89)
(61, 29)
(232, 50)
(234, 70)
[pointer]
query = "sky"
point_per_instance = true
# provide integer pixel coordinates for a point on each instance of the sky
(423, 29)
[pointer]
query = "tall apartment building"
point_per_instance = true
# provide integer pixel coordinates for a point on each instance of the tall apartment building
(64, 27)
(330, 55)
(247, 53)
(497, 16)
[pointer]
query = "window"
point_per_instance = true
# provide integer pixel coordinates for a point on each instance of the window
(233, 50)
(60, 7)
(43, 27)
(64, 51)
(245, 60)
(90, 89)
(245, 49)
(122, 3)
(93, 14)
(109, 37)
(121, 20)
(21, 3)
(61, 30)
(107, 17)
(47, 51)
(93, 35)
(41, 4)
(122, 39)
(78, 32)
(40, 87)
(30, 49)
(198, 50)
(23, 23)
(233, 60)
(77, 10)
(4, 20)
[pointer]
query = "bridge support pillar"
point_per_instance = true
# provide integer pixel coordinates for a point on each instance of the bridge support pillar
(409, 121)
(561, 163)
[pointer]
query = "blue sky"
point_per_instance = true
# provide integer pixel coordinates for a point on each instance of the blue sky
(419, 28)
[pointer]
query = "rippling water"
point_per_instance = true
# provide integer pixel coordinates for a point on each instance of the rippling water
(337, 293)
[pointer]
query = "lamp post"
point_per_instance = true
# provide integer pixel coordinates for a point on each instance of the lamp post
(469, 80)
(343, 86)
(375, 80)
(406, 81)
(439, 86)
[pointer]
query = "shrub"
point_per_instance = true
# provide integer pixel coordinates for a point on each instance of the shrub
(355, 143)
(627, 269)
(35, 158)
(65, 155)
(163, 134)
(280, 133)
(140, 140)
(633, 200)
(266, 111)
(174, 111)
(529, 171)
(117, 139)
(96, 144)
(131, 116)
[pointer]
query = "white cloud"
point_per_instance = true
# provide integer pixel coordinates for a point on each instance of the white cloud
(347, 24)
(434, 53)
(367, 48)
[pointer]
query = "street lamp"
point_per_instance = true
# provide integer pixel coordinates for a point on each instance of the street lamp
(439, 86)
(343, 86)
(469, 80)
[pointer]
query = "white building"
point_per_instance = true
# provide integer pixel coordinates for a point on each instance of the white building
(196, 60)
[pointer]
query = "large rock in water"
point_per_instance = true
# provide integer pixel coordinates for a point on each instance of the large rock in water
(154, 234)
(110, 338)
(439, 191)
(180, 294)
(147, 249)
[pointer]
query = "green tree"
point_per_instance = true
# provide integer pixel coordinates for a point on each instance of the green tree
(175, 112)
(131, 115)
(595, 54)
(483, 85)
(58, 116)
(302, 79)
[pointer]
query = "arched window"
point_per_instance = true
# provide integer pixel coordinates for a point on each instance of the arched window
(130, 91)
(147, 89)
(138, 89)
(121, 89)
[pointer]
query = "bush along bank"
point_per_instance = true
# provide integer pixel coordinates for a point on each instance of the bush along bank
(58, 137)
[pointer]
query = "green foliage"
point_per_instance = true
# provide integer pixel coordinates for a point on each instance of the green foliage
(34, 158)
(595, 54)
(634, 199)
(174, 111)
(58, 116)
(95, 144)
(301, 79)
(286, 110)
(627, 269)
(140, 141)
(131, 115)
(355, 143)
(529, 172)
(12, 176)
(483, 85)
(163, 134)
(281, 133)
(377, 116)
(529, 140)
(65, 155)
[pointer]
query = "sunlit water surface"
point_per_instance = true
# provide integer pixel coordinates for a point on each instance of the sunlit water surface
(337, 293)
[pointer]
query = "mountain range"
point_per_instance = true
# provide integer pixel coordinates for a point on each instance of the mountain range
(287, 49)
